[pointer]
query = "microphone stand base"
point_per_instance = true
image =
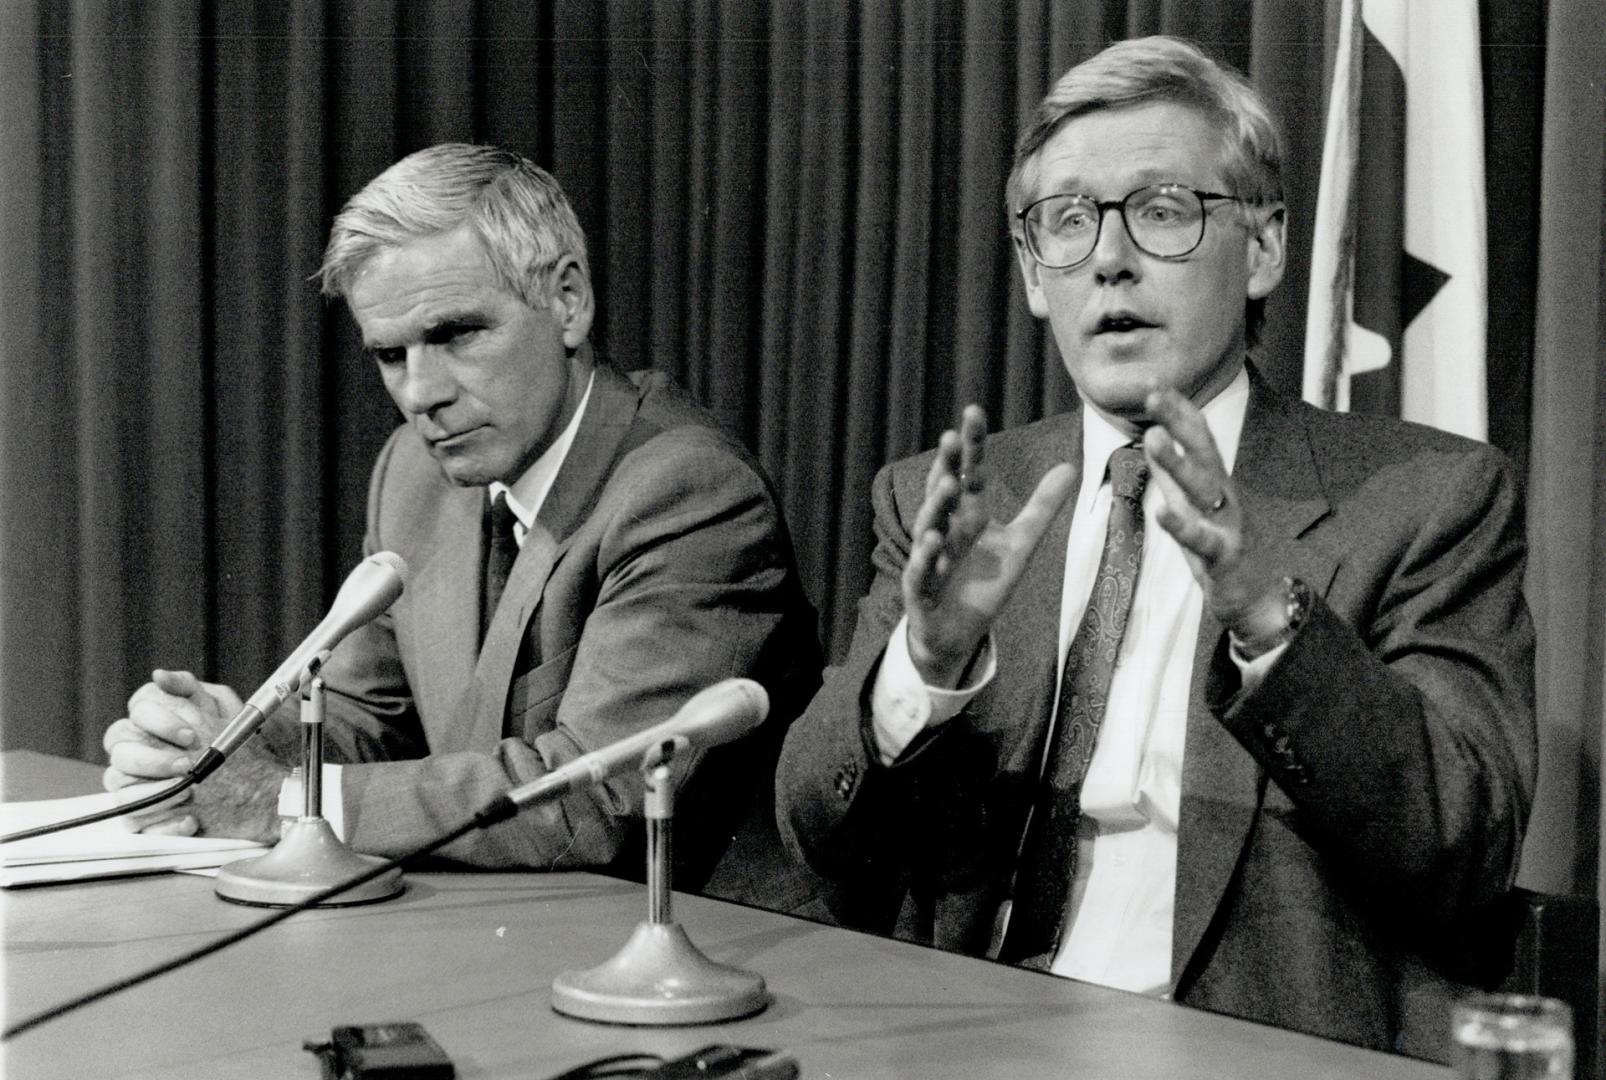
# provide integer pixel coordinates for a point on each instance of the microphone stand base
(308, 859)
(659, 978)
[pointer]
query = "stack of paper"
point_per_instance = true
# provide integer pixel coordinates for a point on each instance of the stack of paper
(104, 849)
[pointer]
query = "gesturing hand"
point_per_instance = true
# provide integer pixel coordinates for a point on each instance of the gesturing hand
(1205, 514)
(963, 565)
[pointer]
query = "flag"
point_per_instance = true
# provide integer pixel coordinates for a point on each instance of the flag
(1398, 316)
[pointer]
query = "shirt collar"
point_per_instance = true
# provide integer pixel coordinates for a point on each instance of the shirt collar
(1223, 415)
(526, 494)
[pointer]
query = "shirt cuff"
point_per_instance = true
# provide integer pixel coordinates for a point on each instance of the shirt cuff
(292, 800)
(1252, 672)
(902, 705)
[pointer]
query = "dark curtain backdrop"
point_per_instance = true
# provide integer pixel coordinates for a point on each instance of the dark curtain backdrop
(796, 207)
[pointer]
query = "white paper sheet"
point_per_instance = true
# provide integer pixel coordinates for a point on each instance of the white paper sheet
(104, 849)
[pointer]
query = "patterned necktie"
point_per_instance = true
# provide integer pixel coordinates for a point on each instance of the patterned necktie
(1048, 854)
(501, 548)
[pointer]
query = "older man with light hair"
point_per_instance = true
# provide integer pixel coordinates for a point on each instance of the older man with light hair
(586, 550)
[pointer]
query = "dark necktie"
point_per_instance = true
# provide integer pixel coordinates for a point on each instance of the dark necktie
(1048, 854)
(501, 549)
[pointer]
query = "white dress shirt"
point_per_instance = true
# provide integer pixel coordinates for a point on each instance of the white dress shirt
(1119, 921)
(524, 497)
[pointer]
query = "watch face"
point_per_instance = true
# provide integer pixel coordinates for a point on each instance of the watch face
(1299, 600)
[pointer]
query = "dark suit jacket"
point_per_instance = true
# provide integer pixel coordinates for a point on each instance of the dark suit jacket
(658, 564)
(1359, 810)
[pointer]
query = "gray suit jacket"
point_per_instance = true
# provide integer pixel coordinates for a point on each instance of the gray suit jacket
(1359, 811)
(658, 564)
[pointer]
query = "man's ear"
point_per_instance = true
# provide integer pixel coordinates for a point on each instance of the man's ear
(1031, 275)
(1268, 249)
(573, 303)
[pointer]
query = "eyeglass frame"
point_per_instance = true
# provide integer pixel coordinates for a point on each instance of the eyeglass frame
(1103, 207)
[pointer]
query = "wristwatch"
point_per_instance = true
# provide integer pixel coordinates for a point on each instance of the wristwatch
(1297, 601)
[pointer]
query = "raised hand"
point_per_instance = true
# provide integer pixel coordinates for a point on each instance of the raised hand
(1203, 511)
(962, 564)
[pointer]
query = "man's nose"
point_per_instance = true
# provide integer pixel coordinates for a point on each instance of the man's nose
(425, 384)
(1115, 255)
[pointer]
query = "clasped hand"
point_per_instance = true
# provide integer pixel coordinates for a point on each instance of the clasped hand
(170, 722)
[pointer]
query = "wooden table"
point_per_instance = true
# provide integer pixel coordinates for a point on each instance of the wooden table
(472, 958)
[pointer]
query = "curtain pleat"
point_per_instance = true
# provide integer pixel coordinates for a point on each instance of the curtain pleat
(106, 354)
(171, 546)
(874, 262)
(732, 104)
(258, 553)
(645, 178)
(39, 623)
(983, 127)
(795, 206)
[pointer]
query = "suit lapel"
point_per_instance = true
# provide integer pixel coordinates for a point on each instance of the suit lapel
(1027, 663)
(599, 440)
(1222, 785)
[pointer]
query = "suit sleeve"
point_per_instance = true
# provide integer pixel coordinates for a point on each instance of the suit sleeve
(848, 816)
(1405, 737)
(690, 583)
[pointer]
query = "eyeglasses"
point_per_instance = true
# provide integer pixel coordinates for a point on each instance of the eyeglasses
(1163, 220)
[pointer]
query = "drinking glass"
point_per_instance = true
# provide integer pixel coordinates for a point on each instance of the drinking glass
(1512, 1037)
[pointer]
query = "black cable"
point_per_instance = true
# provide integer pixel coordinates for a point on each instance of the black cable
(499, 809)
(614, 1065)
(101, 815)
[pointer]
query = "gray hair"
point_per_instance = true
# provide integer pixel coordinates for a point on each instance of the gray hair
(517, 208)
(1159, 68)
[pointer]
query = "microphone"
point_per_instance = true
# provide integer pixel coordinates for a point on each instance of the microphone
(371, 587)
(718, 714)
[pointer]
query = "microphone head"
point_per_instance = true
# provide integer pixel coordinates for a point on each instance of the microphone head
(371, 587)
(392, 560)
(724, 711)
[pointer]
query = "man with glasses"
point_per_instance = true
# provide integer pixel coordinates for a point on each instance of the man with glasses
(585, 549)
(1196, 691)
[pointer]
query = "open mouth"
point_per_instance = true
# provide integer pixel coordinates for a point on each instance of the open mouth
(1120, 323)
